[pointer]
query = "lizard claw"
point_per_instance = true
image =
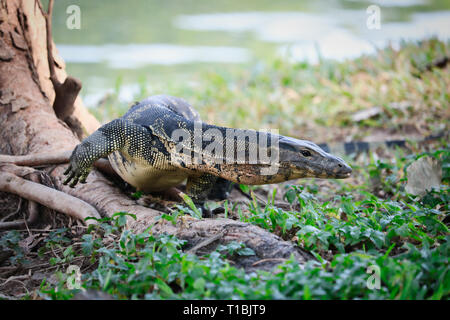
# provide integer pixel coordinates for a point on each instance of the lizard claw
(77, 170)
(68, 170)
(74, 182)
(75, 177)
(83, 179)
(71, 175)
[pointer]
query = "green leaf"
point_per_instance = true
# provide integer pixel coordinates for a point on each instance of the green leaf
(199, 284)
(246, 252)
(197, 214)
(163, 287)
(244, 188)
(137, 195)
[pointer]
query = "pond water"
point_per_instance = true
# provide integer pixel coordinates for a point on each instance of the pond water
(162, 41)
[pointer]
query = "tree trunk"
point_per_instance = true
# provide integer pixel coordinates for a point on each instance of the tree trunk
(29, 126)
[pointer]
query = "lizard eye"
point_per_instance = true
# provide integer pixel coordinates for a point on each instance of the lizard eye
(305, 153)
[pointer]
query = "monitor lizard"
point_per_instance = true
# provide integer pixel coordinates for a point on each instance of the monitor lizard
(155, 146)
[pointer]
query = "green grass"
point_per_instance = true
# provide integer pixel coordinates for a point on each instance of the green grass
(142, 266)
(357, 229)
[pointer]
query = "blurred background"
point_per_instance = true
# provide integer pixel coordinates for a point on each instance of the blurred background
(298, 66)
(164, 41)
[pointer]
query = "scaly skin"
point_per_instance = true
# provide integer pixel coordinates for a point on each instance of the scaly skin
(144, 150)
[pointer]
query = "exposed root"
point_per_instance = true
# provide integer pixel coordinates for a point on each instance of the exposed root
(45, 159)
(104, 166)
(40, 159)
(33, 210)
(51, 198)
(9, 215)
(11, 164)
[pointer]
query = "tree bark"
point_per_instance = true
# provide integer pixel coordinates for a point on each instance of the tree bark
(29, 126)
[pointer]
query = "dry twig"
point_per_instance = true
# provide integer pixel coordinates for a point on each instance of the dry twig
(206, 242)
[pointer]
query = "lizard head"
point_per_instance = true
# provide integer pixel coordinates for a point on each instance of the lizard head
(305, 159)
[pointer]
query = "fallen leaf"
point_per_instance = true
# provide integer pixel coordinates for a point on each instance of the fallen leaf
(423, 174)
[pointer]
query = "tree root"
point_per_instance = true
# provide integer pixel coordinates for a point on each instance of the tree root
(51, 198)
(9, 163)
(33, 210)
(45, 159)
(39, 159)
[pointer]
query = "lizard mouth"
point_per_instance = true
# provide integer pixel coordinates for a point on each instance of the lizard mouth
(344, 173)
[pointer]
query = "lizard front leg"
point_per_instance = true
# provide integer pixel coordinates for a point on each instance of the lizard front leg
(107, 139)
(221, 189)
(198, 187)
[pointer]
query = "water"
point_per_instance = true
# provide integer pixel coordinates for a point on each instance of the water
(338, 34)
(163, 41)
(134, 56)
